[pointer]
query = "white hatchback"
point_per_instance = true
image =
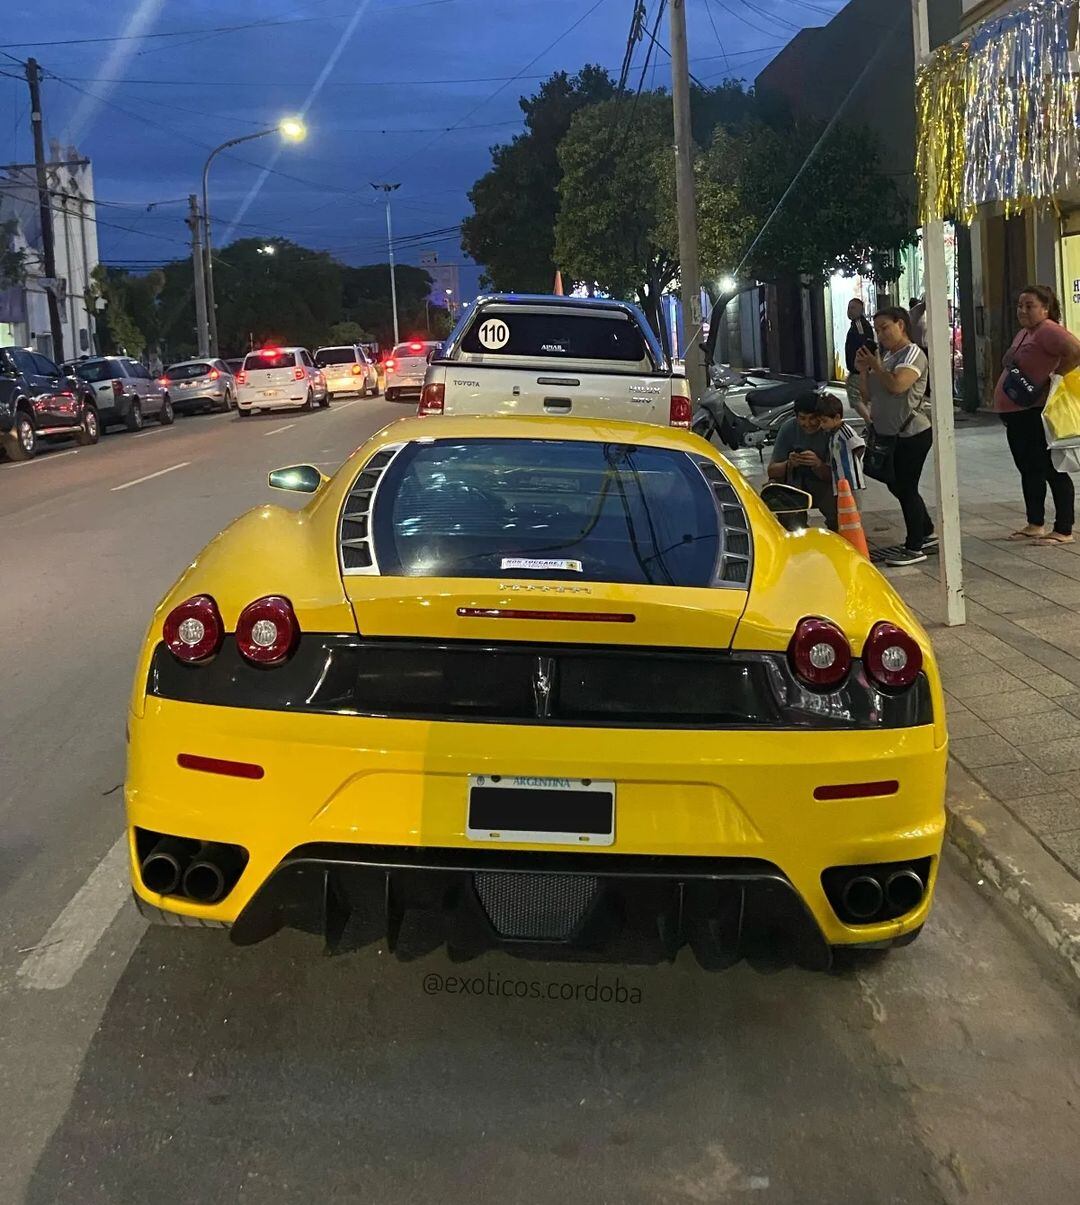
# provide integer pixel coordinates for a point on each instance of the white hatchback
(279, 378)
(405, 369)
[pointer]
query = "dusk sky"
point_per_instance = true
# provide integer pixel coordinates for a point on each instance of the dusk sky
(379, 81)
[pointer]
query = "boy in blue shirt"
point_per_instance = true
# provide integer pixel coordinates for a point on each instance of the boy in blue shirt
(846, 446)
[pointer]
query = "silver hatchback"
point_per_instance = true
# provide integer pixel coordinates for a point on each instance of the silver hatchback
(200, 385)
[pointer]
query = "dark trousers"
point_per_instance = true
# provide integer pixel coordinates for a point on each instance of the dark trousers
(1027, 443)
(820, 491)
(911, 453)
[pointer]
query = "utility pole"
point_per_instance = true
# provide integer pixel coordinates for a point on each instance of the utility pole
(194, 223)
(686, 207)
(935, 292)
(33, 78)
(388, 189)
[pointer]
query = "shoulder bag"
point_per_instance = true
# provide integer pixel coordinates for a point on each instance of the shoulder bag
(1019, 388)
(879, 459)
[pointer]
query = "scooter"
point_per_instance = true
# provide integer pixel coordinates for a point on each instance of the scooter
(770, 403)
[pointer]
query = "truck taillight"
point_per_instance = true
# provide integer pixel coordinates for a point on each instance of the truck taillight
(680, 412)
(432, 400)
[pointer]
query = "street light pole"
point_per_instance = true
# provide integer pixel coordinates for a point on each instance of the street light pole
(388, 189)
(290, 128)
(194, 222)
(689, 271)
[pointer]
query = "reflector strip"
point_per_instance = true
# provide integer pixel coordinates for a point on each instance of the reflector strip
(574, 616)
(857, 790)
(216, 765)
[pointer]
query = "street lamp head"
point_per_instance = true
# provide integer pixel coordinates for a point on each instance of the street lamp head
(448, 292)
(292, 128)
(728, 284)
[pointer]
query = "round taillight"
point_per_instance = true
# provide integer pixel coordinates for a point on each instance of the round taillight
(267, 630)
(819, 653)
(891, 656)
(193, 630)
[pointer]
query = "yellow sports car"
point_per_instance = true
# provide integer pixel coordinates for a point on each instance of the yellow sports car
(565, 688)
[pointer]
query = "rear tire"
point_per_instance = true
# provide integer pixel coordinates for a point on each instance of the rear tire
(24, 443)
(134, 420)
(242, 413)
(166, 415)
(228, 405)
(90, 430)
(325, 403)
(309, 401)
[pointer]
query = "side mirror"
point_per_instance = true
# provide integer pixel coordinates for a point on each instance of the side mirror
(298, 478)
(790, 505)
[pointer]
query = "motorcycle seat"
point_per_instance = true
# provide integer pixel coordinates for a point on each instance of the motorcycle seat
(770, 397)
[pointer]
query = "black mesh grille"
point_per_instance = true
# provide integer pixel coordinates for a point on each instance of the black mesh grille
(355, 533)
(541, 907)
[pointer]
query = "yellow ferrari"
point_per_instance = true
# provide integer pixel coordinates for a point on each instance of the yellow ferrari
(565, 688)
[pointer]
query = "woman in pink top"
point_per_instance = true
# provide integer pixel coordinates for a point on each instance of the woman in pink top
(1042, 347)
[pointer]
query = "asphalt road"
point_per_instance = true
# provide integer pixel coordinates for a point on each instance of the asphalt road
(142, 1063)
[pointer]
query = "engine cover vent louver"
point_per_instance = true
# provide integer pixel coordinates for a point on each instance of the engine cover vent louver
(734, 563)
(354, 537)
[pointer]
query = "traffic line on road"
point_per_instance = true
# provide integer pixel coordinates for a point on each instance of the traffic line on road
(150, 476)
(71, 938)
(154, 431)
(45, 460)
(346, 405)
(278, 430)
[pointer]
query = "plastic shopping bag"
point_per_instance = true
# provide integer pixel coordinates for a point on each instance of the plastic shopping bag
(1061, 415)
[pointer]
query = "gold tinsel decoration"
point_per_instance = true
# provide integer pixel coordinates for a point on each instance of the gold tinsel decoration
(997, 115)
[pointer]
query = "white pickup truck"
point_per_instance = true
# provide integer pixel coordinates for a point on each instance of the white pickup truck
(585, 357)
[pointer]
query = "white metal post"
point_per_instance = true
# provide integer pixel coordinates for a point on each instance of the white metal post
(938, 341)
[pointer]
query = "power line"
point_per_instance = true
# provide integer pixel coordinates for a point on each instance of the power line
(716, 32)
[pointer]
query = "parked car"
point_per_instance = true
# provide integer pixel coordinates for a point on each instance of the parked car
(582, 649)
(576, 356)
(347, 370)
(279, 378)
(234, 366)
(39, 401)
(124, 391)
(200, 385)
(405, 369)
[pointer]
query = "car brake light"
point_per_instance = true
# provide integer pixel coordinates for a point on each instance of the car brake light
(416, 347)
(432, 398)
(356, 370)
(193, 631)
(819, 653)
(164, 381)
(891, 656)
(391, 364)
(118, 388)
(241, 377)
(213, 374)
(267, 630)
(298, 374)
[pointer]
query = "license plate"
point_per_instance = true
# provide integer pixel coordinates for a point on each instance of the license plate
(547, 811)
(271, 393)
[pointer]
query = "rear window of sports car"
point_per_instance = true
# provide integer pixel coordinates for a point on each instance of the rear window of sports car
(600, 512)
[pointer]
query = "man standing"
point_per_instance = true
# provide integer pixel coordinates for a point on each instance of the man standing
(860, 334)
(800, 456)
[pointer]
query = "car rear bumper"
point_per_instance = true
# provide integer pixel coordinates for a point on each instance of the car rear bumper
(251, 401)
(337, 792)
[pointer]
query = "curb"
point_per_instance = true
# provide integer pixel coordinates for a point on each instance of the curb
(1016, 866)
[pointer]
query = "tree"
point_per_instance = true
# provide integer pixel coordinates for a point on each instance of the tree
(13, 266)
(118, 332)
(366, 299)
(614, 226)
(511, 231)
(348, 333)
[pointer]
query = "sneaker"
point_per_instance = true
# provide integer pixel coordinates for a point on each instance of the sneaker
(930, 542)
(905, 556)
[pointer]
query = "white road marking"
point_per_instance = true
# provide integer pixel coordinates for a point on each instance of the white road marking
(278, 430)
(71, 938)
(155, 431)
(45, 460)
(345, 405)
(150, 476)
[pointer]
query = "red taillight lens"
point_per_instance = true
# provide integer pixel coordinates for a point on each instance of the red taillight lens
(118, 388)
(193, 631)
(432, 399)
(213, 374)
(819, 653)
(356, 370)
(680, 413)
(298, 374)
(241, 377)
(267, 630)
(391, 365)
(163, 381)
(416, 347)
(891, 656)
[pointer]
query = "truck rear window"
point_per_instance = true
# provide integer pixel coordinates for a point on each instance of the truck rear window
(575, 511)
(555, 335)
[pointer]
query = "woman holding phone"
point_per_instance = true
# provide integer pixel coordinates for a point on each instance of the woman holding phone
(1041, 348)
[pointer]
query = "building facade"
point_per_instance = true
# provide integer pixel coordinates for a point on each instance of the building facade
(24, 309)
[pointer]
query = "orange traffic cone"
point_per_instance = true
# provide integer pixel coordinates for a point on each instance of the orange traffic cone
(850, 524)
(558, 289)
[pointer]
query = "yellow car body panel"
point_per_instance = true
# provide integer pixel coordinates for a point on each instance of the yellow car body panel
(363, 780)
